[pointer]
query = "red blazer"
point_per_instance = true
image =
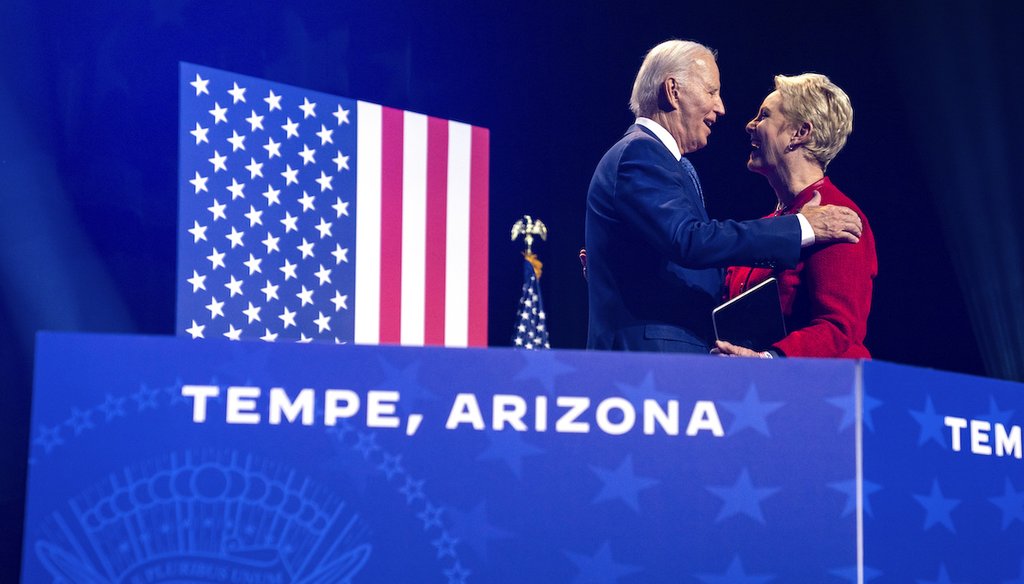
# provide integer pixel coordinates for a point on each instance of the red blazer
(827, 296)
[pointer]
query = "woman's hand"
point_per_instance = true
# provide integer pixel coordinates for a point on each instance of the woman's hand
(728, 349)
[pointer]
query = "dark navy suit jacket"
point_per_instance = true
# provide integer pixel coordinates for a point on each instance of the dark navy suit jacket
(654, 258)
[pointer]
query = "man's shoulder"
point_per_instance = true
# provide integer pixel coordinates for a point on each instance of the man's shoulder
(638, 142)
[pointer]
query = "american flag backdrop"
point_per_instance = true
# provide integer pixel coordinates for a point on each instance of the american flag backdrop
(309, 216)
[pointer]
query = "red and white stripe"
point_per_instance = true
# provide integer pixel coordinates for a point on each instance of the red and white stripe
(421, 230)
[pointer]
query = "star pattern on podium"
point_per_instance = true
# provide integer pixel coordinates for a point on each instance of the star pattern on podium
(849, 488)
(509, 447)
(750, 412)
(735, 574)
(475, 529)
(543, 367)
(622, 484)
(850, 574)
(938, 508)
(942, 578)
(646, 389)
(600, 568)
(931, 423)
(742, 498)
(1010, 503)
(848, 404)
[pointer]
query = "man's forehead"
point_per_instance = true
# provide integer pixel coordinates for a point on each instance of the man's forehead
(706, 68)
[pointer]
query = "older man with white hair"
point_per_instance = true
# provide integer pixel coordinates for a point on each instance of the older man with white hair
(654, 258)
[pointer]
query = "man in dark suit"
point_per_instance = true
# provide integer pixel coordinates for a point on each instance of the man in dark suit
(654, 257)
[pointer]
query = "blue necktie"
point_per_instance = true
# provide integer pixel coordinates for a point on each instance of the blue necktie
(692, 173)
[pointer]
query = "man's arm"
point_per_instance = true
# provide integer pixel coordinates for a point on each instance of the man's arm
(661, 203)
(831, 222)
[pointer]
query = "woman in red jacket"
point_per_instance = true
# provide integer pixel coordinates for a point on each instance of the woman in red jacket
(799, 129)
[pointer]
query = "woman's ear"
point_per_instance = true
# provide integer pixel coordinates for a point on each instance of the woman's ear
(802, 134)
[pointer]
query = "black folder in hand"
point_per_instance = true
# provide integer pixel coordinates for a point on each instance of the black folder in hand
(752, 319)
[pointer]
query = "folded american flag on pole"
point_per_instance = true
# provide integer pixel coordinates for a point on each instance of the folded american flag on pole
(309, 216)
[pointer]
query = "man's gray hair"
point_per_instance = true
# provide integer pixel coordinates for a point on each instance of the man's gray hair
(674, 58)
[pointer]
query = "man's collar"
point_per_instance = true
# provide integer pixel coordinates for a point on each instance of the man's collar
(662, 134)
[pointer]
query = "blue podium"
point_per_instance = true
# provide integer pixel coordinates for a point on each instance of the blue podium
(169, 460)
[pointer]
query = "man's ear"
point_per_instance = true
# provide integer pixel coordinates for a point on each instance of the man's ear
(668, 95)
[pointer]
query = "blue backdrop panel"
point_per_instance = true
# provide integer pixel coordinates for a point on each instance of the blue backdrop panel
(125, 486)
(936, 511)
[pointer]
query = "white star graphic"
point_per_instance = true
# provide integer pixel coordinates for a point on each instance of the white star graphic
(198, 232)
(341, 114)
(340, 301)
(303, 338)
(288, 317)
(255, 121)
(308, 155)
(274, 101)
(289, 222)
(235, 237)
(220, 114)
(233, 334)
(341, 160)
(196, 330)
(341, 207)
(253, 263)
(325, 182)
(323, 323)
(323, 274)
(198, 282)
(291, 129)
(325, 135)
(306, 248)
(199, 182)
(291, 175)
(340, 254)
(269, 336)
(218, 210)
(216, 259)
(234, 287)
(307, 202)
(201, 85)
(272, 196)
(324, 228)
(273, 148)
(236, 189)
(216, 308)
(306, 296)
(255, 217)
(218, 161)
(308, 109)
(271, 243)
(237, 141)
(252, 313)
(288, 269)
(200, 134)
(270, 291)
(237, 94)
(255, 168)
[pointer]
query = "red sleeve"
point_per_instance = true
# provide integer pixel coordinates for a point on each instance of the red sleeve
(838, 278)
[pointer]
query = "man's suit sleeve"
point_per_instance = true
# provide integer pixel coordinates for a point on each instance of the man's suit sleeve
(659, 200)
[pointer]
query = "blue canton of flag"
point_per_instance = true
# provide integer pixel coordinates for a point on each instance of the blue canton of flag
(266, 184)
(531, 329)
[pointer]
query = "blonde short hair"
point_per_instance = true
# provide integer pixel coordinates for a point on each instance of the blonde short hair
(813, 98)
(673, 58)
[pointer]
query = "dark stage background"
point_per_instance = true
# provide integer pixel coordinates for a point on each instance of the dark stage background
(88, 148)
